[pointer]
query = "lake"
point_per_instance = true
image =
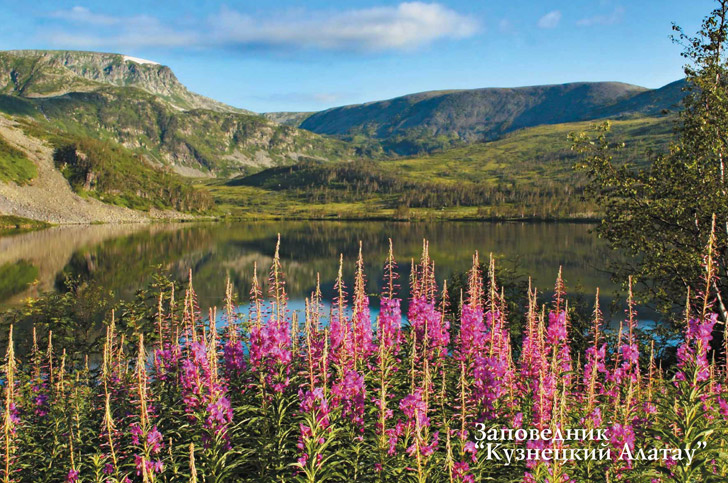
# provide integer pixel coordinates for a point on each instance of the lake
(124, 257)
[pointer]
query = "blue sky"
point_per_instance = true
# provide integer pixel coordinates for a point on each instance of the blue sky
(299, 56)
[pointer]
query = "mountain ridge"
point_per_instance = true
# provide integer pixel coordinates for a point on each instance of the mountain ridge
(82, 71)
(484, 114)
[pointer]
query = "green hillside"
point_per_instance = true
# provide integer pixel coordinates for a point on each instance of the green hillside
(438, 119)
(532, 157)
(15, 165)
(109, 172)
(200, 140)
(527, 174)
(146, 109)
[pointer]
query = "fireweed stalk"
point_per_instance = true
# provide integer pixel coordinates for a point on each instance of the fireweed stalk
(256, 401)
(389, 342)
(144, 434)
(11, 419)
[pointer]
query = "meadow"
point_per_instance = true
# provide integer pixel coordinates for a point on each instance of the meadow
(444, 393)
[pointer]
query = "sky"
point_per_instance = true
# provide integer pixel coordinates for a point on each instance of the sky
(308, 56)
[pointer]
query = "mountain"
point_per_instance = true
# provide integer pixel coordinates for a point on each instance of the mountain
(143, 106)
(44, 73)
(436, 120)
(288, 118)
(654, 102)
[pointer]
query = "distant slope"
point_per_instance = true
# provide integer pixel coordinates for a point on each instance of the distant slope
(535, 156)
(48, 73)
(288, 118)
(649, 103)
(471, 115)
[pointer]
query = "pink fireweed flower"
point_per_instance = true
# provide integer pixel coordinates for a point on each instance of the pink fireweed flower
(472, 450)
(543, 398)
(390, 324)
(149, 466)
(234, 358)
(492, 379)
(203, 396)
(40, 399)
(557, 339)
(154, 441)
(533, 354)
(492, 368)
(361, 318)
(362, 328)
(166, 362)
(593, 419)
(414, 407)
(270, 352)
(460, 472)
(393, 435)
(428, 322)
(694, 350)
(72, 476)
(315, 402)
(472, 332)
(723, 408)
(621, 436)
(350, 394)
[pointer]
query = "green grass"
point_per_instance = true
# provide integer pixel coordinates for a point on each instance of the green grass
(14, 223)
(14, 165)
(532, 156)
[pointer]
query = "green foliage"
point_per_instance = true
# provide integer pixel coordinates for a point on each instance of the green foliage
(661, 214)
(112, 174)
(15, 165)
(684, 420)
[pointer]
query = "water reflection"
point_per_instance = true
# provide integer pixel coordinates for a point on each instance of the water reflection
(124, 257)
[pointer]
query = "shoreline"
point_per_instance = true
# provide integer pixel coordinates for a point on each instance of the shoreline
(10, 224)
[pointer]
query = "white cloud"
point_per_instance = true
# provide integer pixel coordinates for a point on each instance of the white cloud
(610, 19)
(99, 31)
(406, 26)
(550, 20)
(83, 15)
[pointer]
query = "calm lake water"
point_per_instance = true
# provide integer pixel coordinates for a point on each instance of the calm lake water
(124, 257)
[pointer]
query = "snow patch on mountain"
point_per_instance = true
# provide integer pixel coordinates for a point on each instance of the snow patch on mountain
(139, 61)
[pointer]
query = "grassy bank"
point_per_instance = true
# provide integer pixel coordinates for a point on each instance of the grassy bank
(12, 224)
